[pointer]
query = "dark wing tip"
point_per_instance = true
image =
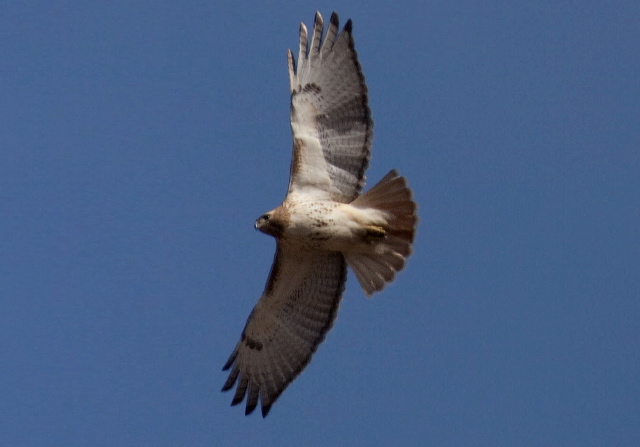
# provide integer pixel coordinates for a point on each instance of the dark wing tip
(250, 407)
(348, 26)
(334, 20)
(228, 384)
(265, 410)
(231, 380)
(232, 358)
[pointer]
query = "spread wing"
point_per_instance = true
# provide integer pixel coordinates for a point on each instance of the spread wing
(296, 310)
(330, 119)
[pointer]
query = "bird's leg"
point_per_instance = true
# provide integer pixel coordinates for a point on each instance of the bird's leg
(374, 233)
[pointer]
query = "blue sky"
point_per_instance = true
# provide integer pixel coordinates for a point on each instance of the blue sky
(140, 141)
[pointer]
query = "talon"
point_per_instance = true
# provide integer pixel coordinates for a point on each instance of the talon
(374, 232)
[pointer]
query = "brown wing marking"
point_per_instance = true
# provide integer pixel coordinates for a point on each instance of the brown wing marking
(298, 307)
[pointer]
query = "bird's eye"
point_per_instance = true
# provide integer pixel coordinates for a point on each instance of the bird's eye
(265, 217)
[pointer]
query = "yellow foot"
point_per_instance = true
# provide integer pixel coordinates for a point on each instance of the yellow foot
(374, 233)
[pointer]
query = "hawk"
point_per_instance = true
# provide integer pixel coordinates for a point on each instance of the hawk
(324, 223)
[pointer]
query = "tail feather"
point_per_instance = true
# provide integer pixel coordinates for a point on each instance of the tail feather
(368, 278)
(376, 267)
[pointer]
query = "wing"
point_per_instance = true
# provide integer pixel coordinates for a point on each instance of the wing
(297, 308)
(330, 119)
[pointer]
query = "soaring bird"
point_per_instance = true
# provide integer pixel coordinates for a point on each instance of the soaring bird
(324, 223)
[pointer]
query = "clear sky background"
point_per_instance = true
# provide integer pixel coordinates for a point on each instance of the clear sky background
(139, 141)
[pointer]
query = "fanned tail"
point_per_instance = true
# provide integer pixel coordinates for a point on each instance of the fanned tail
(391, 244)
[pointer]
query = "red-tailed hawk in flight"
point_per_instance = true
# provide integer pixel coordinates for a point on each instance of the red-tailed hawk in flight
(324, 223)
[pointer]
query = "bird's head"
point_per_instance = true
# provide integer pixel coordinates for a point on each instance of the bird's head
(271, 223)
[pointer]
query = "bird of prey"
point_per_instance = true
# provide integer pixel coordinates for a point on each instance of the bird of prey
(324, 223)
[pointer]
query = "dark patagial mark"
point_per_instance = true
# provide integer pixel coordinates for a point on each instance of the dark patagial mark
(296, 157)
(273, 274)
